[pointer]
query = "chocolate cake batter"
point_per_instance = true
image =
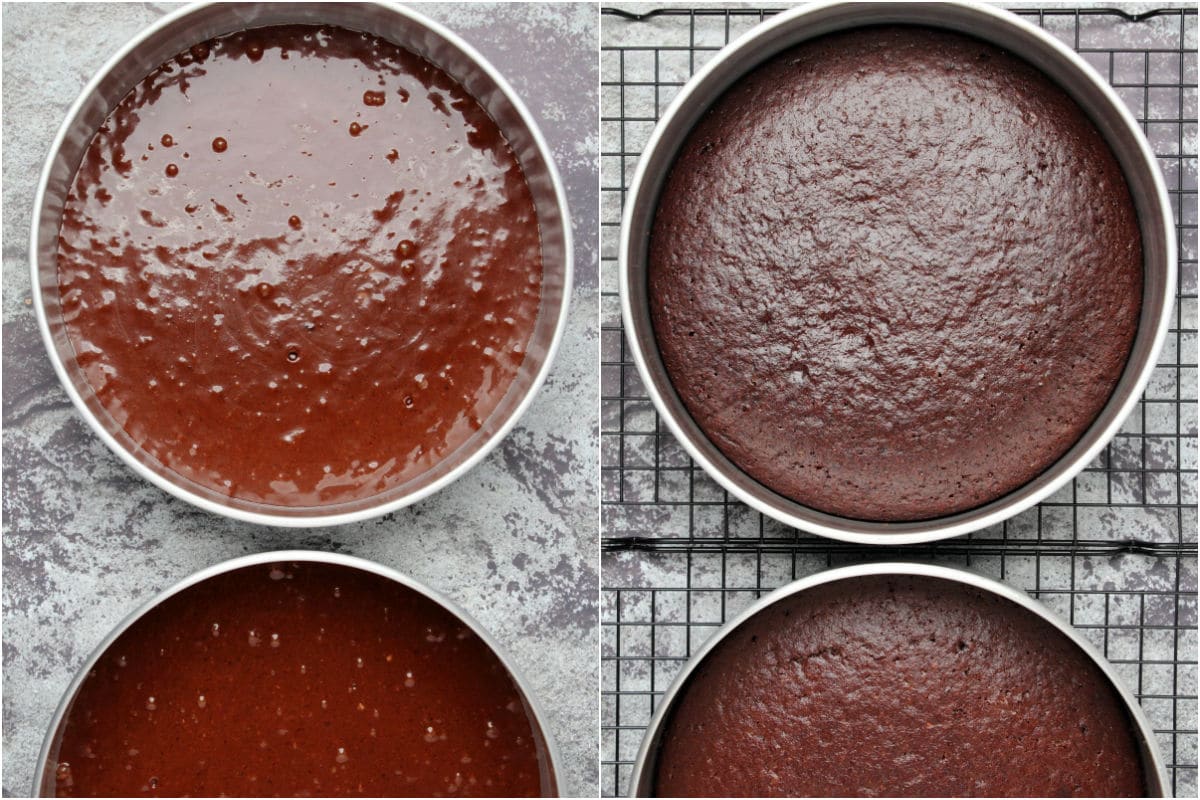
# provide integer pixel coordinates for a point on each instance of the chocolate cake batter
(299, 265)
(895, 273)
(298, 679)
(898, 687)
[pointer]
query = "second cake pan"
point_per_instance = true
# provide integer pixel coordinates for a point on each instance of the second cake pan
(549, 760)
(642, 779)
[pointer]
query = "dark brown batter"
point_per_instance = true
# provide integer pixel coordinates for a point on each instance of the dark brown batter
(895, 273)
(898, 687)
(299, 265)
(298, 679)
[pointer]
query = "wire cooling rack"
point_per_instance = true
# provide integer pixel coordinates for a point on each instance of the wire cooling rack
(1114, 551)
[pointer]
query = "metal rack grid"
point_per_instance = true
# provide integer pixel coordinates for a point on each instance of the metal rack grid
(1114, 551)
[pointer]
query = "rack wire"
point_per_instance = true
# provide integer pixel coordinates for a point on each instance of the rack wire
(1114, 551)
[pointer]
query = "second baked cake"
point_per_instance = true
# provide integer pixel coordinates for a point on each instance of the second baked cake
(895, 273)
(898, 686)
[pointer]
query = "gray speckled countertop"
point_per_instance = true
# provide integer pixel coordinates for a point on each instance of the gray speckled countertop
(86, 541)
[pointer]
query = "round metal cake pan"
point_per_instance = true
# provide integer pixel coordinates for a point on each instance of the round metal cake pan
(548, 756)
(175, 33)
(642, 779)
(990, 24)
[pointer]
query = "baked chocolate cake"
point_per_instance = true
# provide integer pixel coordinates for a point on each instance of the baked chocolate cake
(898, 686)
(895, 273)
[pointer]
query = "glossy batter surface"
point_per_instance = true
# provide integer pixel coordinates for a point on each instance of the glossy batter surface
(298, 679)
(299, 265)
(895, 273)
(898, 687)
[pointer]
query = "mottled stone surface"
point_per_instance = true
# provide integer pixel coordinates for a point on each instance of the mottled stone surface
(86, 540)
